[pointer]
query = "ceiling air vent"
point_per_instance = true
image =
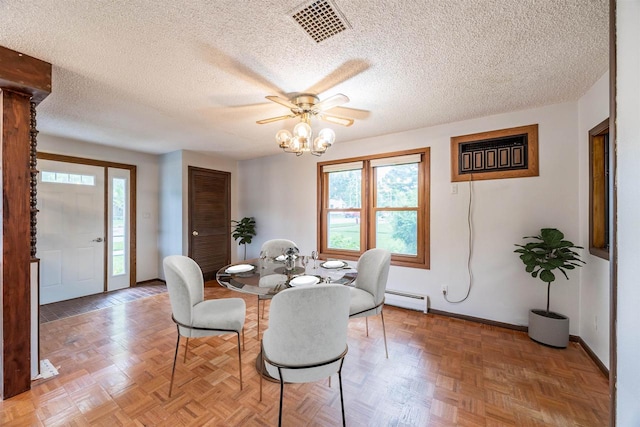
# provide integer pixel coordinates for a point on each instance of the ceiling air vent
(320, 19)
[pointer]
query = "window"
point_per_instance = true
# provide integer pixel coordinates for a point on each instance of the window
(118, 226)
(376, 201)
(68, 178)
(599, 190)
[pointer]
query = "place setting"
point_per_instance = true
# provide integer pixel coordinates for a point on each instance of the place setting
(240, 269)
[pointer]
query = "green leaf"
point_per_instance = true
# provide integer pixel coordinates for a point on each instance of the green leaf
(527, 258)
(551, 236)
(547, 276)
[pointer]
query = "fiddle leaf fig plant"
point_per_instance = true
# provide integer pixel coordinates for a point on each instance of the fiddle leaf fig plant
(546, 253)
(244, 230)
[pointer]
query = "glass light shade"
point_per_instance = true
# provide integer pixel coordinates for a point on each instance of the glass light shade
(295, 144)
(301, 140)
(302, 130)
(283, 138)
(319, 145)
(328, 135)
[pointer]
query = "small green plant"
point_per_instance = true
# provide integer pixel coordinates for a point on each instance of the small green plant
(549, 251)
(245, 230)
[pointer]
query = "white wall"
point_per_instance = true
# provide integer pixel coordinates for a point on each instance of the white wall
(170, 207)
(280, 191)
(593, 108)
(147, 192)
(628, 235)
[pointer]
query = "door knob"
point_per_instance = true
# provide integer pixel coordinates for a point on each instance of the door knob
(99, 239)
(195, 233)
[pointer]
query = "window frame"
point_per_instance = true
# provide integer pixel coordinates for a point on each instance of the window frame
(599, 211)
(368, 209)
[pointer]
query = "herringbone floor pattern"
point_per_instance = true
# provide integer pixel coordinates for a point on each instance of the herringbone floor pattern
(115, 365)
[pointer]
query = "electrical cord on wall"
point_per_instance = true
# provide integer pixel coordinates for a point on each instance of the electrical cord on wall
(470, 243)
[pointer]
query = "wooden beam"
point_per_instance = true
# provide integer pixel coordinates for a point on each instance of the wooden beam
(23, 80)
(16, 244)
(24, 74)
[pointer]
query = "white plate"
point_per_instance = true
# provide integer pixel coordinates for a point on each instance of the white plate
(240, 268)
(282, 257)
(304, 281)
(333, 264)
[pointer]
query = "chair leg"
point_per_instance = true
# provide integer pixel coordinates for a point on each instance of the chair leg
(260, 373)
(186, 346)
(175, 359)
(258, 336)
(239, 360)
(281, 396)
(384, 333)
(263, 303)
(341, 399)
(243, 338)
(366, 322)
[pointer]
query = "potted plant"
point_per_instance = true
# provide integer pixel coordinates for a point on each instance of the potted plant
(244, 230)
(545, 253)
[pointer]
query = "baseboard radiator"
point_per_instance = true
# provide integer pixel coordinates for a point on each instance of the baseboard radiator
(406, 300)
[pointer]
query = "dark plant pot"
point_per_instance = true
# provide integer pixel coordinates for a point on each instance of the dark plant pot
(550, 328)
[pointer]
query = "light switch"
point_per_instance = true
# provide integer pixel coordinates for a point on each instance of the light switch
(454, 188)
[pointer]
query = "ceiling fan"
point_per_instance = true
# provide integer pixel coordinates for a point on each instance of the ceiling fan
(305, 105)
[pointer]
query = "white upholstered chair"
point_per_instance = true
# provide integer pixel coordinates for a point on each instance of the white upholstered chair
(195, 317)
(276, 247)
(367, 295)
(307, 336)
(272, 249)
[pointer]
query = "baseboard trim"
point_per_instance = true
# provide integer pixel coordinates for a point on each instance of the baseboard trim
(593, 357)
(479, 320)
(146, 282)
(573, 338)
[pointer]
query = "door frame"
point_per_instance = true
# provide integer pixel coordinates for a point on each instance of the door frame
(132, 204)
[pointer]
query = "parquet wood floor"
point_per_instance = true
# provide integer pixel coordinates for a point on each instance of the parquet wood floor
(115, 365)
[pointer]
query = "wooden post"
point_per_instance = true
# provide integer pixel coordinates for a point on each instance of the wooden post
(23, 80)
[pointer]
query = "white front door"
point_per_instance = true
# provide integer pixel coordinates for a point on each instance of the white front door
(71, 230)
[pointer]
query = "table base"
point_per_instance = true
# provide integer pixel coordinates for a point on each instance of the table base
(262, 371)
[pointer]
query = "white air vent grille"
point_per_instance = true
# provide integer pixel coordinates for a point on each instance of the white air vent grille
(320, 19)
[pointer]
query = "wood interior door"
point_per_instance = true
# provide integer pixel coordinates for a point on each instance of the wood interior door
(209, 219)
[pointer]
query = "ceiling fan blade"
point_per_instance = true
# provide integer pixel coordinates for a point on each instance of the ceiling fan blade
(344, 72)
(282, 101)
(332, 101)
(350, 112)
(344, 121)
(275, 119)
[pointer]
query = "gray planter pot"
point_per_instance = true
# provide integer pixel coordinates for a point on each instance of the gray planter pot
(552, 329)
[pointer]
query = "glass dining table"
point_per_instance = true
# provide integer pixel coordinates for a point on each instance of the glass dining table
(266, 277)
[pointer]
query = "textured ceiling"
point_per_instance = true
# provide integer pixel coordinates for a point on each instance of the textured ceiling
(160, 75)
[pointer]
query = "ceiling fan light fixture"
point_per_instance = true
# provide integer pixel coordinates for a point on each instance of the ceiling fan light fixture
(300, 140)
